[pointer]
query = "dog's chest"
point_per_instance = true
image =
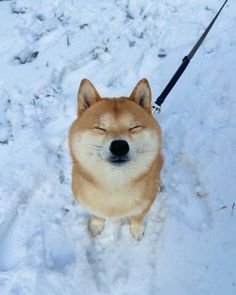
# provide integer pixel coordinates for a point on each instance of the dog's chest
(113, 201)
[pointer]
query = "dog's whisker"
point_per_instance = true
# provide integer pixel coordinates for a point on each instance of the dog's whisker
(146, 152)
(96, 146)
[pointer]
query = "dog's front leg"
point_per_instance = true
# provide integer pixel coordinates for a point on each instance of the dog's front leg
(137, 227)
(96, 225)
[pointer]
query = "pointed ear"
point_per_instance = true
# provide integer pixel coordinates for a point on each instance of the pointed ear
(142, 95)
(87, 95)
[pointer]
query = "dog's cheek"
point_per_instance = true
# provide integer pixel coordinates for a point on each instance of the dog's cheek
(152, 141)
(82, 146)
(146, 147)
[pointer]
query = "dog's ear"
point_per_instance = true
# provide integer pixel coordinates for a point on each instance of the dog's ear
(142, 95)
(87, 95)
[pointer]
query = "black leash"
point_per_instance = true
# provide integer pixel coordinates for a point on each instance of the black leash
(183, 66)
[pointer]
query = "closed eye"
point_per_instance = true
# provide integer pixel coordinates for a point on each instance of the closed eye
(136, 129)
(99, 130)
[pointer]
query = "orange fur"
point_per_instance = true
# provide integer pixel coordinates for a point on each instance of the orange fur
(105, 190)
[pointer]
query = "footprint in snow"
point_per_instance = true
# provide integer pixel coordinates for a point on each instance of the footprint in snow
(115, 257)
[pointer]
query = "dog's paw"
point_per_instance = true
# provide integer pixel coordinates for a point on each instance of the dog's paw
(96, 225)
(137, 231)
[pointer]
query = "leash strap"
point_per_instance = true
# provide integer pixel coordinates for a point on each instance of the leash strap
(159, 101)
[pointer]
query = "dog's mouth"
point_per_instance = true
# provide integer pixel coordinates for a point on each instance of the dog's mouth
(115, 160)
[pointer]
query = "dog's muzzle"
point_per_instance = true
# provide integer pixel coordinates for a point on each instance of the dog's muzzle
(119, 151)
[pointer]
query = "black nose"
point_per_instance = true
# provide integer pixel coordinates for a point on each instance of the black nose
(119, 148)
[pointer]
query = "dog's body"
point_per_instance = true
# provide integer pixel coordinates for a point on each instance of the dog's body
(115, 146)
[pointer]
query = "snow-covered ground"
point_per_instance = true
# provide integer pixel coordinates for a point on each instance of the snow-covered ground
(46, 48)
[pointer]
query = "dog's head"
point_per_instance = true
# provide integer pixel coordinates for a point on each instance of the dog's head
(115, 136)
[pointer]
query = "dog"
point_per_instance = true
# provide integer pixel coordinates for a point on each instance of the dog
(115, 146)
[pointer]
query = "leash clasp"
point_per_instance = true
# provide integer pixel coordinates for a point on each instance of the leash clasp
(156, 108)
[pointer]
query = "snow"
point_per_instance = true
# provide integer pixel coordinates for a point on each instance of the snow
(47, 47)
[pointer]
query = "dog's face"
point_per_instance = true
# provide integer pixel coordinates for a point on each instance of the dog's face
(115, 137)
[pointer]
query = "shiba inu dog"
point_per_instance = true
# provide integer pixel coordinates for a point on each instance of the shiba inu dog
(115, 145)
